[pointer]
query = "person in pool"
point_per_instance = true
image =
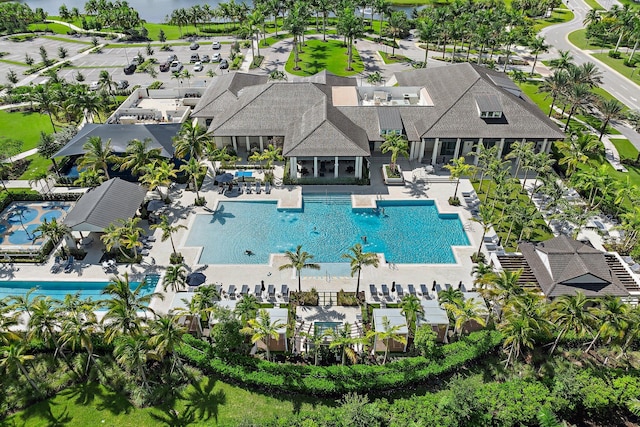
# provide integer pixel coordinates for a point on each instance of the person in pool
(248, 252)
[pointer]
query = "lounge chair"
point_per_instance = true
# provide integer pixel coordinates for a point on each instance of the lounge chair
(267, 187)
(373, 291)
(385, 291)
(491, 239)
(219, 290)
(144, 252)
(469, 194)
(423, 290)
(232, 292)
(635, 268)
(284, 290)
(247, 188)
(272, 292)
(258, 189)
(57, 264)
(245, 290)
(69, 265)
(411, 289)
(221, 189)
(399, 291)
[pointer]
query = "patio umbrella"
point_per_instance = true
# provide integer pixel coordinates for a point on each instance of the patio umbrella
(154, 205)
(225, 177)
(196, 279)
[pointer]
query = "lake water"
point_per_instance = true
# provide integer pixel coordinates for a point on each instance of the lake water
(150, 10)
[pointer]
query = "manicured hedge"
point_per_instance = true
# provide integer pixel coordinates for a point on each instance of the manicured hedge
(338, 380)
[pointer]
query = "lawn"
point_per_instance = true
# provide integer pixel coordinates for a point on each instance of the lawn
(625, 148)
(38, 166)
(67, 40)
(593, 4)
(579, 39)
(388, 59)
(213, 403)
(330, 55)
(173, 32)
(559, 15)
(618, 64)
(51, 26)
(24, 126)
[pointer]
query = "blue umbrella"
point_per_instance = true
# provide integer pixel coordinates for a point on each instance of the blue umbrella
(196, 279)
(225, 177)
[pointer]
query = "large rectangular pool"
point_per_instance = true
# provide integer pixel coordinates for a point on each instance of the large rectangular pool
(407, 232)
(58, 290)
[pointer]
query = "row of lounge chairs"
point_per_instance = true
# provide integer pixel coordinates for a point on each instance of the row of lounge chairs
(231, 292)
(58, 264)
(399, 291)
(247, 188)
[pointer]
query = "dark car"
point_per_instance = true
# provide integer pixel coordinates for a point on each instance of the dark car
(130, 69)
(165, 66)
(122, 84)
(194, 46)
(195, 58)
(224, 64)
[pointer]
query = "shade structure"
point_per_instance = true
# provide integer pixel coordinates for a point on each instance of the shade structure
(196, 279)
(225, 177)
(154, 205)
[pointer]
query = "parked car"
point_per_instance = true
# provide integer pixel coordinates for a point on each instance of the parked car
(176, 67)
(224, 64)
(215, 45)
(172, 57)
(216, 57)
(122, 84)
(194, 46)
(205, 58)
(130, 69)
(94, 86)
(165, 66)
(195, 57)
(198, 66)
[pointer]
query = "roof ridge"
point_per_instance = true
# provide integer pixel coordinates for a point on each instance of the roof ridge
(107, 185)
(304, 137)
(267, 86)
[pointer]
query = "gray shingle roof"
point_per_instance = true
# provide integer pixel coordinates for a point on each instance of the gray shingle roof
(113, 200)
(563, 266)
(161, 136)
(223, 90)
(389, 118)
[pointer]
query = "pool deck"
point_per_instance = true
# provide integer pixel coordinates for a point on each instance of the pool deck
(182, 211)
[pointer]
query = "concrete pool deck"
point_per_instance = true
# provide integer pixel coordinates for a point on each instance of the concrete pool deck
(182, 211)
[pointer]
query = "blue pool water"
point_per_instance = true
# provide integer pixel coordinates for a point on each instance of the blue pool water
(405, 231)
(244, 173)
(58, 290)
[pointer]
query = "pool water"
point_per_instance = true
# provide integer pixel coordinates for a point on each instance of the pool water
(19, 221)
(58, 290)
(243, 174)
(406, 232)
(320, 327)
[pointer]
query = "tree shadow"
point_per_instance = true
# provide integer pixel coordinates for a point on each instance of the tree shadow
(83, 394)
(44, 411)
(204, 401)
(114, 403)
(173, 418)
(220, 215)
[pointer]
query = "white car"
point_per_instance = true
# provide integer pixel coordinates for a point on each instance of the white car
(216, 57)
(198, 66)
(176, 67)
(94, 86)
(215, 45)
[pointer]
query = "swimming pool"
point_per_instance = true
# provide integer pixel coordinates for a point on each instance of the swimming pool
(58, 290)
(245, 174)
(19, 221)
(407, 232)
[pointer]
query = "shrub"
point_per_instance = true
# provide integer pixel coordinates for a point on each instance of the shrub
(614, 54)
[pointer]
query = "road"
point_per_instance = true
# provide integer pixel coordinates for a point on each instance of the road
(556, 35)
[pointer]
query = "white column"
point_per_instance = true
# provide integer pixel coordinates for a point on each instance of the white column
(335, 167)
(293, 167)
(455, 151)
(315, 167)
(500, 148)
(436, 148)
(412, 150)
(545, 146)
(421, 153)
(261, 144)
(247, 144)
(358, 167)
(478, 148)
(234, 140)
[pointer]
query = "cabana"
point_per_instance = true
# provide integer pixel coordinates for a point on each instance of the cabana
(435, 316)
(395, 318)
(275, 315)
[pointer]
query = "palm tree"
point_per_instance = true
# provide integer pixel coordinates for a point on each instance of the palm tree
(426, 33)
(611, 315)
(42, 96)
(123, 306)
(191, 140)
(165, 337)
(458, 168)
(298, 261)
(78, 329)
(482, 274)
(262, 329)
(157, 174)
(44, 322)
(519, 333)
(577, 96)
(97, 155)
(396, 145)
(341, 337)
(53, 230)
(175, 278)
(382, 7)
(195, 171)
(167, 230)
(204, 300)
(247, 308)
(412, 310)
(610, 109)
(106, 81)
(132, 352)
(13, 355)
(138, 155)
(556, 84)
(570, 313)
(396, 25)
(389, 333)
(295, 23)
(572, 153)
(466, 311)
(359, 259)
(486, 218)
(538, 46)
(504, 287)
(351, 27)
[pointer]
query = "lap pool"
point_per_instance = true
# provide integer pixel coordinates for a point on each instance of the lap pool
(407, 232)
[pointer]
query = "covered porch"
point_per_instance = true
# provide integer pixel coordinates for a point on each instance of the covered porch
(326, 167)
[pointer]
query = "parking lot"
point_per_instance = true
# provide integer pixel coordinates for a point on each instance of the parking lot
(111, 59)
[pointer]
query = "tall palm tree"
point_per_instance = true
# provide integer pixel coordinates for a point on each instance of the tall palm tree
(486, 218)
(482, 274)
(412, 310)
(467, 311)
(78, 329)
(175, 278)
(97, 155)
(13, 356)
(610, 109)
(570, 313)
(504, 287)
(204, 300)
(247, 308)
(157, 174)
(358, 260)
(555, 85)
(389, 333)
(194, 170)
(577, 97)
(519, 333)
(167, 230)
(295, 23)
(396, 25)
(138, 155)
(132, 353)
(458, 168)
(611, 316)
(42, 96)
(165, 336)
(263, 329)
(396, 145)
(341, 337)
(298, 261)
(191, 140)
(426, 33)
(106, 81)
(537, 46)
(351, 27)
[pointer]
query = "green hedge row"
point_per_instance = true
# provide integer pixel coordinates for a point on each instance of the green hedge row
(337, 380)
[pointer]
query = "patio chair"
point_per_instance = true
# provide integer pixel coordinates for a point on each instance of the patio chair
(232, 292)
(240, 188)
(69, 265)
(57, 264)
(469, 194)
(245, 290)
(411, 289)
(144, 252)
(247, 188)
(258, 189)
(284, 290)
(272, 292)
(267, 187)
(385, 291)
(423, 290)
(221, 189)
(219, 290)
(399, 291)
(148, 239)
(257, 292)
(491, 239)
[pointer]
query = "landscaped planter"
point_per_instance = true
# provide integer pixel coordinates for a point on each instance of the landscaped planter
(389, 180)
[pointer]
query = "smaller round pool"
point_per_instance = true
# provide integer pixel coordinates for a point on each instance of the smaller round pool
(22, 214)
(48, 216)
(19, 237)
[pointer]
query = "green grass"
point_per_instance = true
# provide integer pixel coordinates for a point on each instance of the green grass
(579, 39)
(8, 61)
(388, 59)
(38, 166)
(24, 126)
(625, 148)
(630, 73)
(319, 55)
(172, 32)
(52, 26)
(214, 403)
(559, 15)
(67, 40)
(156, 46)
(593, 4)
